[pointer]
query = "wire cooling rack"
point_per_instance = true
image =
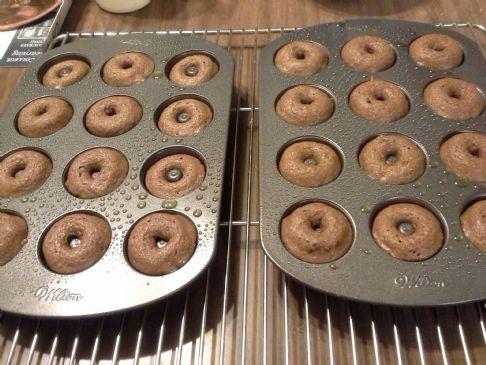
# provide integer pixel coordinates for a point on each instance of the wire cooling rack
(243, 310)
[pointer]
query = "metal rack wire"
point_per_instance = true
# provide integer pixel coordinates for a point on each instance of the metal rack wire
(243, 310)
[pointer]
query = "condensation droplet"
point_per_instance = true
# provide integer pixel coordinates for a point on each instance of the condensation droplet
(365, 209)
(169, 204)
(197, 213)
(141, 205)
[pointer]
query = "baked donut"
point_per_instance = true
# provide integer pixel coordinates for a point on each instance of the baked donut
(22, 172)
(379, 101)
(193, 69)
(161, 243)
(305, 105)
(465, 155)
(75, 242)
(408, 231)
(309, 164)
(300, 58)
(454, 98)
(96, 172)
(44, 116)
(174, 176)
(112, 116)
(316, 233)
(65, 72)
(392, 159)
(185, 117)
(473, 221)
(13, 236)
(368, 53)
(436, 51)
(126, 69)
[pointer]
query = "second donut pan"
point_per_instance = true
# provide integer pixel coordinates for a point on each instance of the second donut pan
(27, 285)
(366, 272)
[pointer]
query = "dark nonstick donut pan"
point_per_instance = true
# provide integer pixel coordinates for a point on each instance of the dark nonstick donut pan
(366, 272)
(27, 286)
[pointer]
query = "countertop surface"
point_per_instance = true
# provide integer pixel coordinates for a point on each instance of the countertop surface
(85, 15)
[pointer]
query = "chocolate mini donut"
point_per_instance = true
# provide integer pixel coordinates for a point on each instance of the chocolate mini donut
(316, 233)
(185, 117)
(392, 159)
(379, 101)
(465, 155)
(65, 73)
(174, 176)
(408, 231)
(368, 53)
(300, 58)
(161, 243)
(75, 242)
(305, 105)
(96, 172)
(22, 172)
(436, 51)
(13, 236)
(473, 221)
(112, 116)
(193, 69)
(309, 164)
(126, 69)
(454, 98)
(44, 116)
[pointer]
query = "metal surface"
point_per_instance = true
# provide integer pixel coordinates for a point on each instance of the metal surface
(278, 329)
(28, 287)
(366, 272)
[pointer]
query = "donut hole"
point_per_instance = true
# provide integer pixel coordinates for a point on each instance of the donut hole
(406, 227)
(299, 54)
(192, 70)
(474, 151)
(110, 110)
(17, 169)
(437, 46)
(41, 110)
(391, 157)
(379, 95)
(94, 171)
(65, 71)
(126, 64)
(183, 116)
(174, 173)
(73, 240)
(454, 93)
(315, 224)
(161, 241)
(306, 99)
(309, 160)
(369, 49)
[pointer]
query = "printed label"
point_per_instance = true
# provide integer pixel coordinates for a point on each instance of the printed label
(48, 294)
(419, 281)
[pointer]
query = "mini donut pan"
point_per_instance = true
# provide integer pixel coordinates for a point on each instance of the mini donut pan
(27, 286)
(366, 272)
